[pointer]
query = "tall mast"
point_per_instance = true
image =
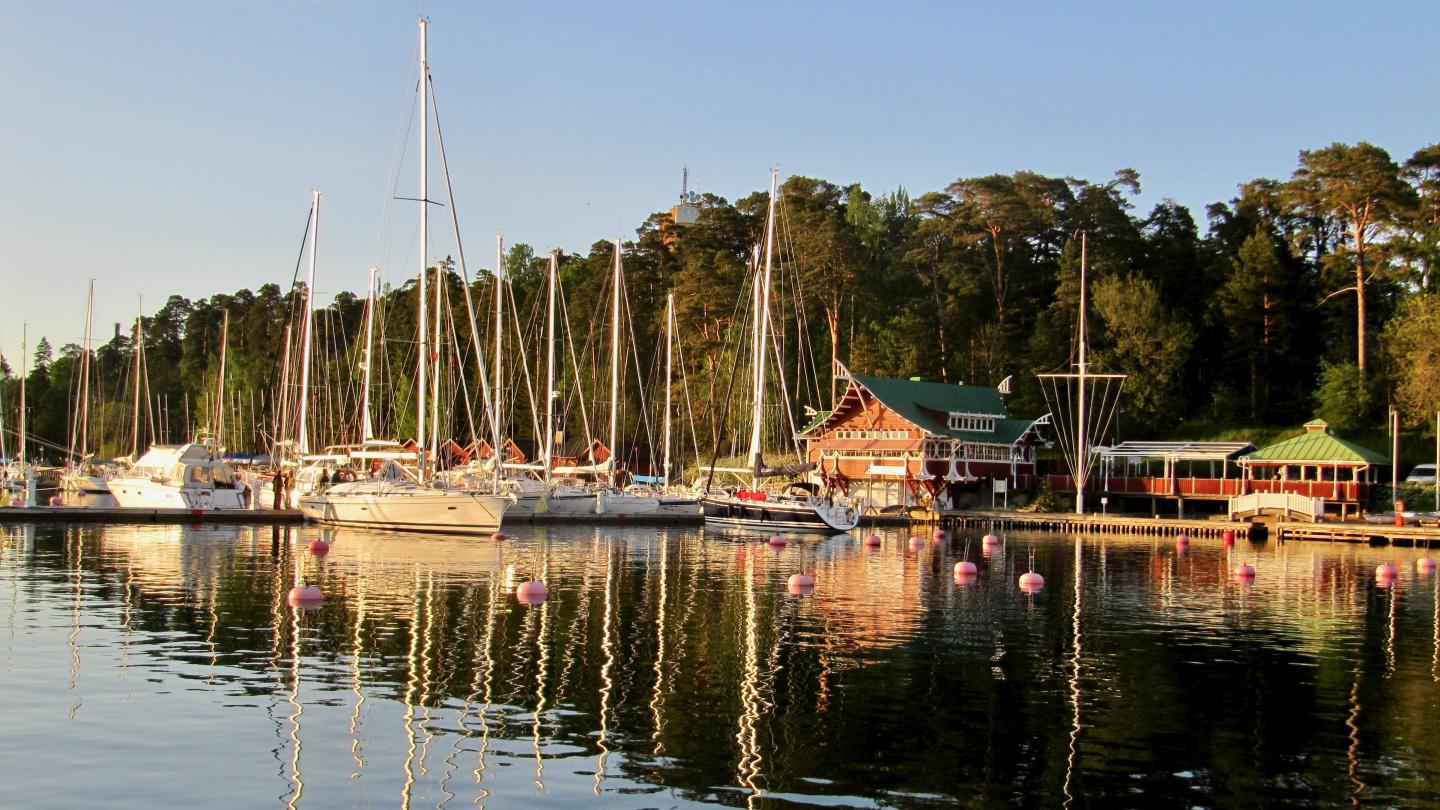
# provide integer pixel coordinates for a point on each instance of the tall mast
(434, 454)
(282, 416)
(499, 333)
(24, 373)
(762, 325)
(365, 429)
(81, 429)
(135, 422)
(424, 353)
(549, 437)
(614, 359)
(1083, 440)
(220, 384)
(304, 438)
(669, 379)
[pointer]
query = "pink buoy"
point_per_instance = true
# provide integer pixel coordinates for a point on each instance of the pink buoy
(1244, 572)
(305, 596)
(1031, 581)
(990, 540)
(319, 548)
(498, 536)
(1386, 571)
(940, 536)
(1228, 536)
(531, 593)
(872, 540)
(1182, 540)
(1425, 565)
(917, 543)
(56, 500)
(778, 541)
(801, 581)
(965, 579)
(965, 567)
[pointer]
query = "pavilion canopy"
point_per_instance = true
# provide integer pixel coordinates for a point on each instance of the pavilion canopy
(1174, 451)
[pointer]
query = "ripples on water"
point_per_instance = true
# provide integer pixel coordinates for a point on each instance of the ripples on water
(149, 665)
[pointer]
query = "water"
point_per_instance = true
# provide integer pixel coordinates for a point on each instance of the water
(159, 665)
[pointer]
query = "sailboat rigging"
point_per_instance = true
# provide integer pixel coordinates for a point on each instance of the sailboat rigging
(799, 506)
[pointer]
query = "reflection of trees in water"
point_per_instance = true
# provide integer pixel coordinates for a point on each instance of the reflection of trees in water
(668, 659)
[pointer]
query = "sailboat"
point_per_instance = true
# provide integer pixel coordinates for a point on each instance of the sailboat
(799, 506)
(399, 498)
(80, 475)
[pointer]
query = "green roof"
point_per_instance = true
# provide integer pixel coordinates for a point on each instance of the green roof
(815, 421)
(927, 405)
(1317, 445)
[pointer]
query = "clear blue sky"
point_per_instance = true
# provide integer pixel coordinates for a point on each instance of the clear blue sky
(170, 147)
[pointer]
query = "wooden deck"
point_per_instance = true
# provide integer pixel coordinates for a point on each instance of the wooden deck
(1089, 524)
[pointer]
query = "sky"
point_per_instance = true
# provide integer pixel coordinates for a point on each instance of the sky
(171, 147)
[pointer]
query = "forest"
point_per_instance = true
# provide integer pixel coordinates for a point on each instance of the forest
(1307, 296)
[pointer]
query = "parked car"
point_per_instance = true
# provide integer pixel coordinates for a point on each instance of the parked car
(1421, 474)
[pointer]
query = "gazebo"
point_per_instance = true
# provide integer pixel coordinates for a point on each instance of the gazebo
(1317, 464)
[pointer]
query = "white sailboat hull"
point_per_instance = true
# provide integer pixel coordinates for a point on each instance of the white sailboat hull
(402, 506)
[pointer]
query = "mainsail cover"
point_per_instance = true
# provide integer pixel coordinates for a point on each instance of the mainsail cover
(761, 471)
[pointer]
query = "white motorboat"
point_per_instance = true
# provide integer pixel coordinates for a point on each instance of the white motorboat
(188, 476)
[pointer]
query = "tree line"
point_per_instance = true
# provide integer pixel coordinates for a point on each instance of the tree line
(1310, 295)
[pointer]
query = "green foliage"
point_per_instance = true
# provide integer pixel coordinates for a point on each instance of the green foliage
(1265, 315)
(1342, 398)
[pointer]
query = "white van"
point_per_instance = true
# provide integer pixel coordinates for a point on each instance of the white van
(1421, 474)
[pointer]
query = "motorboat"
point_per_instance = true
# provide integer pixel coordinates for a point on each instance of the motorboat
(187, 476)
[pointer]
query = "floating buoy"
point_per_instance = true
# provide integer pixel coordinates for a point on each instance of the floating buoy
(305, 596)
(778, 541)
(917, 543)
(1030, 582)
(498, 536)
(872, 540)
(1244, 572)
(1386, 572)
(1425, 565)
(940, 536)
(1228, 536)
(965, 568)
(965, 579)
(801, 581)
(56, 500)
(1182, 539)
(319, 548)
(990, 540)
(531, 593)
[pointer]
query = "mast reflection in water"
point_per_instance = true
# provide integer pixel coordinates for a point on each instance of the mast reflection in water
(150, 665)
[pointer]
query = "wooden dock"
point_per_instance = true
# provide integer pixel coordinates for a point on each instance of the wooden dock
(1355, 532)
(1089, 524)
(97, 514)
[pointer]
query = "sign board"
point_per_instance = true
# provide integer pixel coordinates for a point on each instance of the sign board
(1001, 485)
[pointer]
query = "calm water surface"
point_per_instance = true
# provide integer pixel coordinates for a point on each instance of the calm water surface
(149, 665)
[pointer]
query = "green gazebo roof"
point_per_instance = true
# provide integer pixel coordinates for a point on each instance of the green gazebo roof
(1317, 445)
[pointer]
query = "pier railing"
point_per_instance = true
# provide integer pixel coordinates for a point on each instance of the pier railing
(1214, 488)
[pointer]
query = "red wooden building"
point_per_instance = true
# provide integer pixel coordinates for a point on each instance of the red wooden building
(911, 442)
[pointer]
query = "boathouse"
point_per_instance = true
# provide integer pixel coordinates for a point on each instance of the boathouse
(901, 443)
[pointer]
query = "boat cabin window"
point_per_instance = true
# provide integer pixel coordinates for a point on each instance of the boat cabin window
(199, 475)
(224, 476)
